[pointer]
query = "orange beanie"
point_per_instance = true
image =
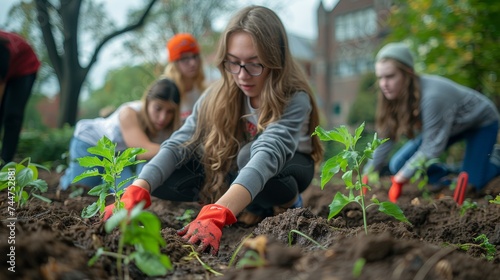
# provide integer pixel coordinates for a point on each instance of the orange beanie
(181, 43)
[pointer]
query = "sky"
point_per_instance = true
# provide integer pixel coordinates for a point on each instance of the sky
(298, 16)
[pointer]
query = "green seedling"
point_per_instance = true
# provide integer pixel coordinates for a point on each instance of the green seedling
(290, 238)
(186, 217)
(349, 161)
(195, 255)
(467, 205)
(22, 183)
(238, 249)
(112, 164)
(484, 244)
(496, 200)
(421, 166)
(358, 267)
(251, 259)
(141, 230)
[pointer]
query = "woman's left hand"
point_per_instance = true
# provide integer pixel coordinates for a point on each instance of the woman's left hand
(206, 229)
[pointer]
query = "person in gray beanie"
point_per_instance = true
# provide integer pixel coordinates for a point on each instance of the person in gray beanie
(433, 112)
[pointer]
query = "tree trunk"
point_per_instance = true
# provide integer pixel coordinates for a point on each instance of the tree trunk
(69, 71)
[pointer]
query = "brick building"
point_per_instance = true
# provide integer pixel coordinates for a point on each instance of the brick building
(348, 37)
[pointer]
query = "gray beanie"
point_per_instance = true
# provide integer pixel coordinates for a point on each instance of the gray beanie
(397, 51)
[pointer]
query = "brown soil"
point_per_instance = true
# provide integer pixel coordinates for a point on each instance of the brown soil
(52, 241)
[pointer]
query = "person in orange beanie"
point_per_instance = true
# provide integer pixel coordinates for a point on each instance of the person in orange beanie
(185, 68)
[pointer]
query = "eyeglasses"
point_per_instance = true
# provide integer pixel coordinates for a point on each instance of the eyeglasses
(187, 59)
(253, 69)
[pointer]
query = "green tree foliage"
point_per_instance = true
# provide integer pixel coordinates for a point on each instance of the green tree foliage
(121, 85)
(72, 50)
(457, 39)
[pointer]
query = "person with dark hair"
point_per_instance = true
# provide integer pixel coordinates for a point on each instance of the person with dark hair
(141, 124)
(433, 112)
(246, 149)
(18, 70)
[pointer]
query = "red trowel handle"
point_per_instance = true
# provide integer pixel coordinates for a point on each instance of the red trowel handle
(459, 194)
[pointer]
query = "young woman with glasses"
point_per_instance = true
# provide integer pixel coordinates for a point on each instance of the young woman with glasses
(247, 145)
(185, 68)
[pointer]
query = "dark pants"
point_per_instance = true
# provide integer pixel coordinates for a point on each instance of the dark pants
(476, 162)
(15, 98)
(185, 183)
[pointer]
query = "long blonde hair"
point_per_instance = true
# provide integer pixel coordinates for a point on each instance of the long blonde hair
(172, 72)
(395, 118)
(162, 89)
(219, 131)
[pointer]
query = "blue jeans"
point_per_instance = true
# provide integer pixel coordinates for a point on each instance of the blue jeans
(78, 149)
(479, 146)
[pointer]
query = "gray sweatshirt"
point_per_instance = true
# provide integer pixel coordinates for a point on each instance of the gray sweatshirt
(447, 109)
(269, 152)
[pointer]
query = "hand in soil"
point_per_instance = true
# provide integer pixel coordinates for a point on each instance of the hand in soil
(395, 191)
(206, 229)
(132, 196)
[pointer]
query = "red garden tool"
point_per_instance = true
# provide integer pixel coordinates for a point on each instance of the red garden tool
(364, 180)
(459, 194)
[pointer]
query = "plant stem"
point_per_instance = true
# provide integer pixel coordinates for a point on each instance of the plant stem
(123, 228)
(304, 235)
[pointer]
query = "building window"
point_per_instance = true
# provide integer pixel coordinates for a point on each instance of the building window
(355, 25)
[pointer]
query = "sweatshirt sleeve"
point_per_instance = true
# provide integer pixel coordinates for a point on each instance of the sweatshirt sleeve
(275, 146)
(171, 153)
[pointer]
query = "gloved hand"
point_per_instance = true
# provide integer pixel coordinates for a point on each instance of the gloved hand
(207, 227)
(395, 190)
(131, 197)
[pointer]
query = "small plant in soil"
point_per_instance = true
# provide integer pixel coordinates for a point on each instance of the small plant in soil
(290, 238)
(467, 205)
(349, 161)
(141, 230)
(112, 163)
(186, 217)
(496, 200)
(358, 267)
(22, 183)
(483, 243)
(421, 166)
(195, 255)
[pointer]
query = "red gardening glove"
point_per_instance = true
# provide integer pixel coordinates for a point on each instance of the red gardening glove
(130, 198)
(207, 227)
(395, 190)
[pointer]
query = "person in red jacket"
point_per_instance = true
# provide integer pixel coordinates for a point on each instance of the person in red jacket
(18, 69)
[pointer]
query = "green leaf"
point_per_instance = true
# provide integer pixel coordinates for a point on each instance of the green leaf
(90, 211)
(104, 148)
(151, 264)
(338, 203)
(24, 177)
(90, 161)
(42, 198)
(330, 168)
(124, 182)
(95, 191)
(39, 185)
(35, 171)
(87, 173)
(115, 220)
(393, 210)
(97, 255)
(347, 177)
